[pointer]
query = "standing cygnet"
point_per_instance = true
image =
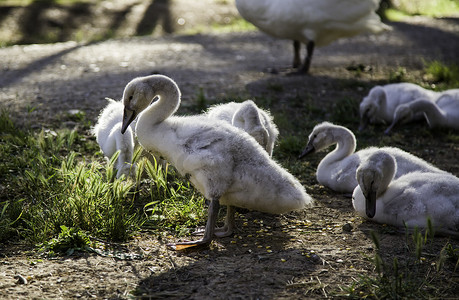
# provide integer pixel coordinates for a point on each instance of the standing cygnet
(380, 104)
(409, 200)
(250, 118)
(312, 22)
(224, 163)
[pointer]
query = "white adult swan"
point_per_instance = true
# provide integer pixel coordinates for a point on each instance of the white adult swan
(312, 22)
(108, 135)
(337, 169)
(380, 103)
(250, 118)
(444, 112)
(410, 199)
(223, 162)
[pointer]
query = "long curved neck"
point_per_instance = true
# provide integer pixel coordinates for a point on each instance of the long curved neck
(433, 114)
(345, 146)
(169, 101)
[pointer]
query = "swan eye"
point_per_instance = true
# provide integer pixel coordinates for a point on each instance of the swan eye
(130, 98)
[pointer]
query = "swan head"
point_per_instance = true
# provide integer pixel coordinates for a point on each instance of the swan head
(370, 106)
(137, 95)
(368, 184)
(373, 176)
(320, 138)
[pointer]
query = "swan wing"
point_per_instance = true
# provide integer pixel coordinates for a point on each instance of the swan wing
(208, 148)
(414, 197)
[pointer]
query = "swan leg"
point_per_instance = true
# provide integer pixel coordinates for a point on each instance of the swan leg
(228, 228)
(214, 206)
(296, 54)
(307, 60)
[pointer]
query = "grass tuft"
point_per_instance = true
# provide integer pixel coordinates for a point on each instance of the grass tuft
(415, 275)
(441, 75)
(49, 187)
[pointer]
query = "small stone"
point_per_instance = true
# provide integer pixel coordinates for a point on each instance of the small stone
(347, 227)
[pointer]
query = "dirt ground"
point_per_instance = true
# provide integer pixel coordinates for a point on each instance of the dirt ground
(309, 254)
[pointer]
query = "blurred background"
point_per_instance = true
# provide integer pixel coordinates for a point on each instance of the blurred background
(50, 21)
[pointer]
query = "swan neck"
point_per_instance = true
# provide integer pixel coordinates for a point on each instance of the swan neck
(167, 104)
(345, 145)
(434, 115)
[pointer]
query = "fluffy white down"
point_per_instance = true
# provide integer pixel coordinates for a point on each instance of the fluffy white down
(338, 168)
(321, 21)
(247, 116)
(381, 102)
(409, 199)
(108, 135)
(223, 162)
(250, 118)
(443, 112)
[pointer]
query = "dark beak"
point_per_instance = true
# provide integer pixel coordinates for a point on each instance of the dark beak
(128, 117)
(309, 149)
(370, 204)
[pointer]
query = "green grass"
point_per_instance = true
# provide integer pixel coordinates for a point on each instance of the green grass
(52, 179)
(432, 8)
(418, 274)
(441, 75)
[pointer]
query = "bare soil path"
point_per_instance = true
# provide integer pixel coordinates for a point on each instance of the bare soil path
(308, 254)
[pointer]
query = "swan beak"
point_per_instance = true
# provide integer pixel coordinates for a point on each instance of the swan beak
(370, 204)
(128, 117)
(309, 149)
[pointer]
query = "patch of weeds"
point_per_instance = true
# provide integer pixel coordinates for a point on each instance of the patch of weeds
(449, 253)
(76, 115)
(68, 241)
(432, 8)
(359, 69)
(442, 75)
(6, 124)
(201, 101)
(398, 76)
(345, 111)
(173, 203)
(47, 184)
(394, 15)
(10, 213)
(452, 137)
(275, 87)
(266, 101)
(290, 145)
(415, 276)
